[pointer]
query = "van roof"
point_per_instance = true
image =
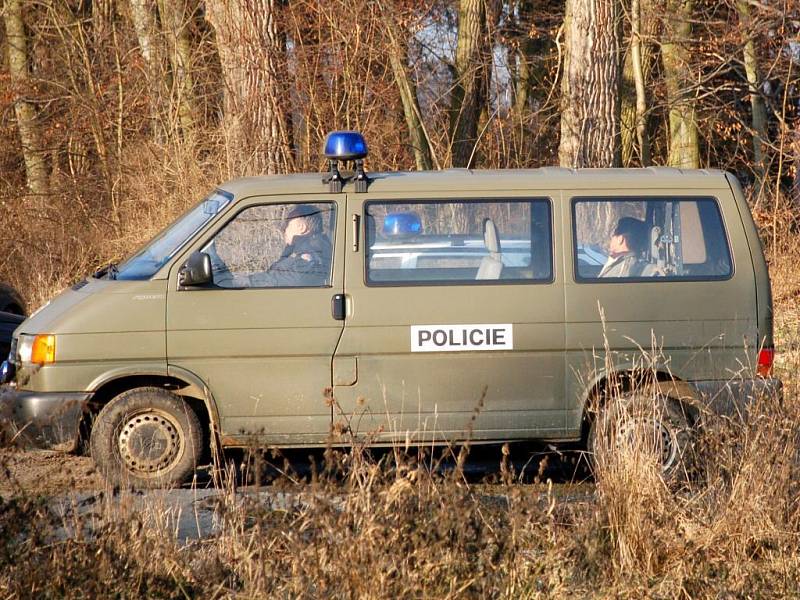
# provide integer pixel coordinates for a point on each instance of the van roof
(454, 180)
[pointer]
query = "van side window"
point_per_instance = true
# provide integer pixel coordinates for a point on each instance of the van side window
(446, 242)
(643, 238)
(276, 245)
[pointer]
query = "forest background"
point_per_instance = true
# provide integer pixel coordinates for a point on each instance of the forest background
(116, 115)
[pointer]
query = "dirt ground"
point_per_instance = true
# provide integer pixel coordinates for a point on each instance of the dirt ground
(43, 472)
(51, 473)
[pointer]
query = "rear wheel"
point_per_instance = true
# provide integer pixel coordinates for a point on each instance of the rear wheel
(147, 438)
(648, 422)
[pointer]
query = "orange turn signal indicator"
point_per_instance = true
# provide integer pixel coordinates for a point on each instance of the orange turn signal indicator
(44, 349)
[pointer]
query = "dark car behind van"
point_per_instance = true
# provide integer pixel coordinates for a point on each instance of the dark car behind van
(8, 323)
(12, 313)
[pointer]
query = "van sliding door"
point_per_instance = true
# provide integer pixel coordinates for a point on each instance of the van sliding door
(455, 324)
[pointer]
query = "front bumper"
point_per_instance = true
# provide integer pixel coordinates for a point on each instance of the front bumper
(41, 420)
(732, 397)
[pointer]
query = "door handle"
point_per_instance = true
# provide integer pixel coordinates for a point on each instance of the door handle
(338, 307)
(356, 222)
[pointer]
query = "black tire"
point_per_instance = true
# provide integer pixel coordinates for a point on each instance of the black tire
(661, 422)
(11, 301)
(147, 438)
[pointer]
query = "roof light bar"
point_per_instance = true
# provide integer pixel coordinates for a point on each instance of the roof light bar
(345, 146)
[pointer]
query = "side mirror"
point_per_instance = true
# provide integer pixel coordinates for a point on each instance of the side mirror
(196, 270)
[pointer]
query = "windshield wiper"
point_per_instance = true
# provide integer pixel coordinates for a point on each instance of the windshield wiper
(109, 272)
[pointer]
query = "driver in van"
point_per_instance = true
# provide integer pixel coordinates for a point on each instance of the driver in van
(625, 249)
(306, 257)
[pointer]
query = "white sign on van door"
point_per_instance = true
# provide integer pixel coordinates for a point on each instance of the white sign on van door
(461, 338)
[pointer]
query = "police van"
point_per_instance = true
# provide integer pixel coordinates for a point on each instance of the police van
(433, 307)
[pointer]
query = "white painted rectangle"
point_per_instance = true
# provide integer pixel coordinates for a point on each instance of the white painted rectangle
(462, 338)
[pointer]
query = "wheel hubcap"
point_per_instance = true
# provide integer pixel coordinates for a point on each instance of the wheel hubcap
(657, 437)
(149, 442)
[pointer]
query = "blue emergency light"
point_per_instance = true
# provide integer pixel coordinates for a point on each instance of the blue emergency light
(345, 145)
(401, 224)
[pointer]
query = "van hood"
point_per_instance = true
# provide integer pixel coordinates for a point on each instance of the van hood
(101, 306)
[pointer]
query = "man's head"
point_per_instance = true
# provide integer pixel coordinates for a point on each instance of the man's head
(303, 219)
(630, 235)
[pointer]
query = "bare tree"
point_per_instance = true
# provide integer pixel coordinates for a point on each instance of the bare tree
(175, 20)
(145, 23)
(398, 57)
(530, 63)
(102, 19)
(635, 75)
(36, 171)
(590, 117)
(684, 145)
(469, 88)
(757, 106)
(252, 50)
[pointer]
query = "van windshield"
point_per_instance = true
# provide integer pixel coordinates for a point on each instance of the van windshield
(156, 253)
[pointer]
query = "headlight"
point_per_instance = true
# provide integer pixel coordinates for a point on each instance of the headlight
(37, 349)
(25, 347)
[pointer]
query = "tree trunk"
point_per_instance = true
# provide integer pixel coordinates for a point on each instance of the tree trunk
(525, 57)
(36, 171)
(469, 87)
(590, 106)
(251, 49)
(143, 15)
(627, 98)
(634, 77)
(408, 96)
(758, 108)
(174, 19)
(531, 60)
(684, 145)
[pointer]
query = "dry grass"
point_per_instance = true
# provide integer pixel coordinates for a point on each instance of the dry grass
(388, 527)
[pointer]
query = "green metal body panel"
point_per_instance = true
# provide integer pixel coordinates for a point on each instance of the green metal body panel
(266, 359)
(102, 328)
(763, 287)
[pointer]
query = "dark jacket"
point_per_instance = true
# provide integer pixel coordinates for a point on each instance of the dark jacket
(306, 262)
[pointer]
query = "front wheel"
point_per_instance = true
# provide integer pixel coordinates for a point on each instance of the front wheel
(645, 422)
(147, 438)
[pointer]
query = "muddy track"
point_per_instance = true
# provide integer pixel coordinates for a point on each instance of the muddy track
(44, 472)
(50, 473)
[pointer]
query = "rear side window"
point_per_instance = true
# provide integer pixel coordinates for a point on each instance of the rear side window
(646, 238)
(463, 241)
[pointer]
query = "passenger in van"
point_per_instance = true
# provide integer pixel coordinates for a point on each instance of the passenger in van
(625, 250)
(306, 257)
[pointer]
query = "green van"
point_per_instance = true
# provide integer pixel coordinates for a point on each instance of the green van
(412, 306)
